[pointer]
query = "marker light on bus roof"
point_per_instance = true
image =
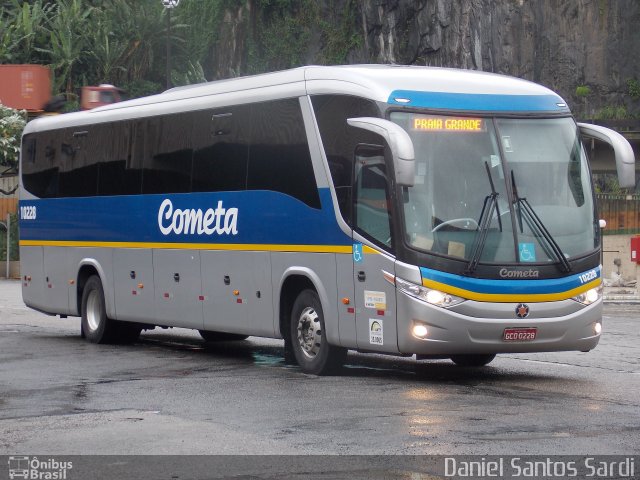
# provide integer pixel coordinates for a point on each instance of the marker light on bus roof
(428, 295)
(402, 100)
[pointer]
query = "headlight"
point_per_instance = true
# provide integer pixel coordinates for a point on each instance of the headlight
(590, 296)
(428, 295)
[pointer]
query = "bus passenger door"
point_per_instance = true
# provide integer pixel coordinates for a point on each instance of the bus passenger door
(375, 297)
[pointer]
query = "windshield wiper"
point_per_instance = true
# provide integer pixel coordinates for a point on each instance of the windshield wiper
(551, 248)
(489, 206)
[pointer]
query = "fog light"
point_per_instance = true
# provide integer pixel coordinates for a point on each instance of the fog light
(420, 331)
(597, 327)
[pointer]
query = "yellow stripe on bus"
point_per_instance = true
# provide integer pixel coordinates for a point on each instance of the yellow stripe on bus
(197, 246)
(504, 298)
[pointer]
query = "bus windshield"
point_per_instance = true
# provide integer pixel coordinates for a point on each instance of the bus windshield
(498, 190)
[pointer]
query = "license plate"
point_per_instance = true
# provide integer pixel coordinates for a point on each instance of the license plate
(519, 334)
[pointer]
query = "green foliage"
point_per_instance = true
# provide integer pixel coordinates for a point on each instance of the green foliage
(142, 88)
(22, 30)
(68, 44)
(14, 251)
(12, 123)
(607, 183)
(283, 37)
(88, 42)
(193, 73)
(340, 35)
(634, 88)
(202, 19)
(583, 91)
(612, 112)
(123, 42)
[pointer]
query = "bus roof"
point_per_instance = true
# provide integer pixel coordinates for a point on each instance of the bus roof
(440, 88)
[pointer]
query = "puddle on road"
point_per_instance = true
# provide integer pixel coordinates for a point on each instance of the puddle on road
(268, 360)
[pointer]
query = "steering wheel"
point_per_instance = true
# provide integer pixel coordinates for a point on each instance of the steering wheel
(466, 221)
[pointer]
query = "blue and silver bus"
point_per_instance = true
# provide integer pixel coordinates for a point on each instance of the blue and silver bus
(401, 210)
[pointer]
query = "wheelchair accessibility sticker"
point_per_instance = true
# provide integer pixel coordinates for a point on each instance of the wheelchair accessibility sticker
(527, 252)
(357, 253)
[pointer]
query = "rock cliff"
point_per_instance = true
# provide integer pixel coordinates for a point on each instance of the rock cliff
(561, 44)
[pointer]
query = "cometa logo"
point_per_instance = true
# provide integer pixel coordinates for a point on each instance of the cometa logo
(504, 273)
(221, 221)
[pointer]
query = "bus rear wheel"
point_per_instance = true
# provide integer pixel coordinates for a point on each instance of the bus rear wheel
(477, 360)
(209, 336)
(308, 337)
(96, 326)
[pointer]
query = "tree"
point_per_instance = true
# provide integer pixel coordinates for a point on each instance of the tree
(22, 30)
(12, 123)
(67, 28)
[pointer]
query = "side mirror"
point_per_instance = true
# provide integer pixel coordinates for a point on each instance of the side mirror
(625, 159)
(399, 142)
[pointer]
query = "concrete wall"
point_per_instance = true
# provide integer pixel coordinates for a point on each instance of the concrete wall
(14, 269)
(619, 247)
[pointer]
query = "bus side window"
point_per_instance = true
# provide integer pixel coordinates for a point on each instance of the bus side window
(120, 172)
(41, 176)
(372, 215)
(279, 157)
(168, 154)
(221, 149)
(78, 168)
(339, 140)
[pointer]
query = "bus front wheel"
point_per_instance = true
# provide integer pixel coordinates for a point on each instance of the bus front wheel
(308, 337)
(96, 326)
(473, 360)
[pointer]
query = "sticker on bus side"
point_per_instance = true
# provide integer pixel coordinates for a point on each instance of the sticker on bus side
(377, 300)
(357, 253)
(527, 252)
(376, 334)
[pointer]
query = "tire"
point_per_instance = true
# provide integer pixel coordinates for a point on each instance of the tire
(96, 326)
(308, 337)
(221, 336)
(479, 360)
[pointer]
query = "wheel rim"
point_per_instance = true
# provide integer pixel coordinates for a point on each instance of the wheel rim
(93, 310)
(309, 332)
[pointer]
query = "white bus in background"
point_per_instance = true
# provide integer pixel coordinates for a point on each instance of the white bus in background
(405, 210)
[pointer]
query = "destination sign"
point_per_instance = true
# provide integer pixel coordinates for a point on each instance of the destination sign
(449, 124)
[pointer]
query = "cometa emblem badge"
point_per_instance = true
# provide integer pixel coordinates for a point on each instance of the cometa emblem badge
(522, 310)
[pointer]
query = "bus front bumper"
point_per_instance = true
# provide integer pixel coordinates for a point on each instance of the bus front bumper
(479, 327)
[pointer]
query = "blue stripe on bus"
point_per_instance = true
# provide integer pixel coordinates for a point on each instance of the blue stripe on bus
(511, 286)
(134, 218)
(479, 102)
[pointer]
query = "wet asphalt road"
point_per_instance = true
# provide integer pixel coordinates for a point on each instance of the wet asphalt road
(170, 393)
